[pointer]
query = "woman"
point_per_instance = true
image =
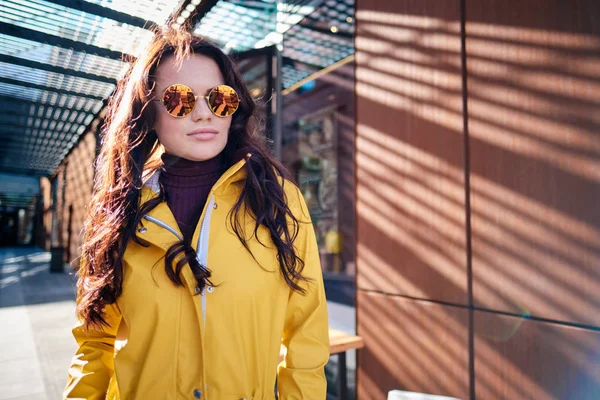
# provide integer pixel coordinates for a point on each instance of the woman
(200, 262)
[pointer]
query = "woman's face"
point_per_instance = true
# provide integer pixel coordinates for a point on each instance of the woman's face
(201, 135)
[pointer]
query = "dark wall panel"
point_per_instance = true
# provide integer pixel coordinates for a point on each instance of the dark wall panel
(530, 360)
(534, 136)
(411, 345)
(410, 157)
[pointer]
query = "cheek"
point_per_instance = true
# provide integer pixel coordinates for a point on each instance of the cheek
(226, 124)
(164, 130)
(166, 126)
(225, 129)
(163, 121)
(159, 123)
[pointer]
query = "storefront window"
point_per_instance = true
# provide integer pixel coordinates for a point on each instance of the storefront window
(317, 147)
(318, 179)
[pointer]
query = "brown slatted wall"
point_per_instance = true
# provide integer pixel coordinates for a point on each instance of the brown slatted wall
(532, 88)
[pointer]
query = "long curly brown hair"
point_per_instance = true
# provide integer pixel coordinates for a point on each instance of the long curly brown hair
(131, 151)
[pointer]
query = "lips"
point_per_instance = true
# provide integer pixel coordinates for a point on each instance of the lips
(203, 133)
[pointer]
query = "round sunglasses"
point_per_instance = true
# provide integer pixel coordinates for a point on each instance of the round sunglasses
(179, 100)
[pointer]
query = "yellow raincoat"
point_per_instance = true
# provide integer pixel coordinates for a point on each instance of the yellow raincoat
(168, 342)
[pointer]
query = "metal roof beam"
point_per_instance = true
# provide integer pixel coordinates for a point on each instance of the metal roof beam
(15, 204)
(48, 89)
(40, 133)
(288, 61)
(38, 172)
(21, 110)
(50, 68)
(262, 7)
(37, 160)
(34, 155)
(40, 112)
(27, 158)
(30, 34)
(39, 153)
(201, 10)
(8, 130)
(327, 32)
(64, 134)
(9, 199)
(11, 124)
(36, 110)
(45, 138)
(38, 169)
(67, 134)
(23, 159)
(7, 100)
(263, 51)
(35, 132)
(28, 117)
(106, 12)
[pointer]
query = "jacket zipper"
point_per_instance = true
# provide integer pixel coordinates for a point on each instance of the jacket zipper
(202, 246)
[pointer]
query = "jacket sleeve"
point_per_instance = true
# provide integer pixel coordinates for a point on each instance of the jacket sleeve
(306, 332)
(92, 366)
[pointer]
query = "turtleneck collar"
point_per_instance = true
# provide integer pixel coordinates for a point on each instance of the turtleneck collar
(180, 166)
(181, 172)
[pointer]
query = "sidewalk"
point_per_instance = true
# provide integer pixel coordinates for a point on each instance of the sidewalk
(37, 310)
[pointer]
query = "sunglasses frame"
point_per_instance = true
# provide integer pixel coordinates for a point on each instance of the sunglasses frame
(162, 100)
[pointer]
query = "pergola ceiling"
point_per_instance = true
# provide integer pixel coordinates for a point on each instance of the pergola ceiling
(315, 33)
(59, 62)
(60, 59)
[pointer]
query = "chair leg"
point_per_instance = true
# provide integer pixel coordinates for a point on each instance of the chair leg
(342, 378)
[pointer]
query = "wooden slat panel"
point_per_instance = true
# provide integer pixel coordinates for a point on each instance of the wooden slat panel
(410, 157)
(411, 345)
(531, 360)
(534, 133)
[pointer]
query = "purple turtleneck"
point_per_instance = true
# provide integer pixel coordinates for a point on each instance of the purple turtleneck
(187, 184)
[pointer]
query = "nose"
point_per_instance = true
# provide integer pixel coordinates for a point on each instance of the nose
(201, 111)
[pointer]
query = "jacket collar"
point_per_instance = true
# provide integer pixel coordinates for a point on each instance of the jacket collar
(235, 173)
(159, 235)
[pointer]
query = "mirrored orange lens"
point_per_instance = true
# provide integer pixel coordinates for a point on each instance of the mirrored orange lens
(223, 100)
(179, 100)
